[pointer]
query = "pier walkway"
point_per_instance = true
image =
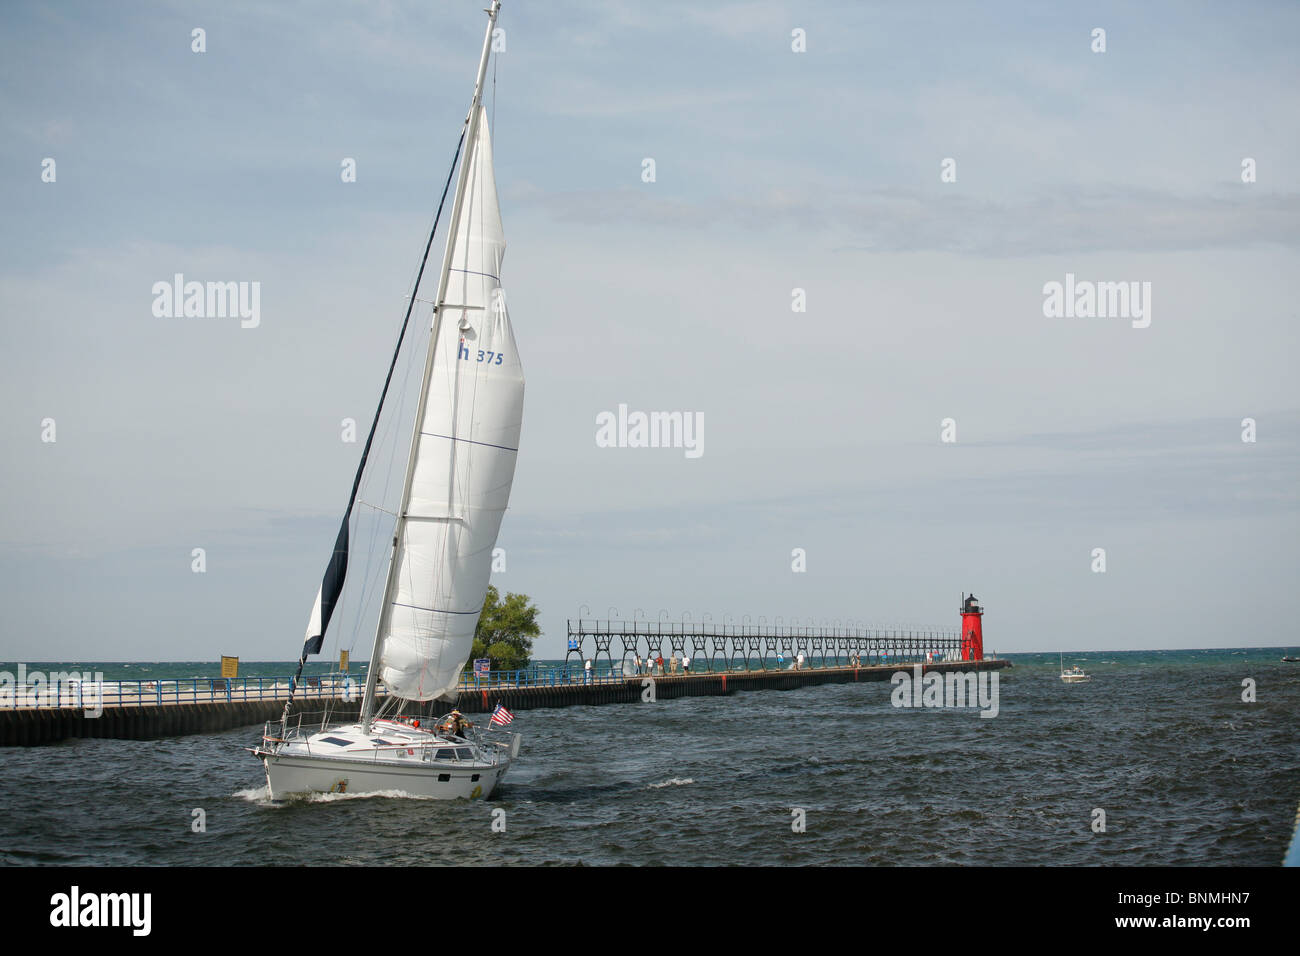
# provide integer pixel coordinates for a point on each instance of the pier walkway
(145, 710)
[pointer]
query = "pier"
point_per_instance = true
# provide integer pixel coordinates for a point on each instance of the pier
(724, 660)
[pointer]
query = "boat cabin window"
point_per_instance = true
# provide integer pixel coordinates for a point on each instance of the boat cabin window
(335, 740)
(445, 754)
(382, 743)
(463, 753)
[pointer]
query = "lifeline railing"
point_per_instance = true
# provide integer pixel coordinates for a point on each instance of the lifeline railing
(439, 752)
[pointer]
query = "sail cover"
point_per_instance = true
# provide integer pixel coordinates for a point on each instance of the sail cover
(464, 459)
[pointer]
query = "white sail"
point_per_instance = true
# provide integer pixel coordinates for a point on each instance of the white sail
(465, 459)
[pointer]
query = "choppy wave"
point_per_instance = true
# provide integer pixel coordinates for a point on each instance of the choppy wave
(1161, 742)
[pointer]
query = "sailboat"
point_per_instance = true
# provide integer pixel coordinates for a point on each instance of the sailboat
(458, 479)
(1075, 674)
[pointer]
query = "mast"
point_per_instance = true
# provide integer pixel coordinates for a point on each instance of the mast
(471, 132)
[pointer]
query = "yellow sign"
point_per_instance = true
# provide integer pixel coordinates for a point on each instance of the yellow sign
(343, 661)
(229, 666)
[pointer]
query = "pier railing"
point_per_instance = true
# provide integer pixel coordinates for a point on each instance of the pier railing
(760, 646)
(540, 677)
(63, 690)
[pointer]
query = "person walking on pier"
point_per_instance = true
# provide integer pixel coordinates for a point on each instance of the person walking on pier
(586, 667)
(798, 664)
(659, 665)
(686, 665)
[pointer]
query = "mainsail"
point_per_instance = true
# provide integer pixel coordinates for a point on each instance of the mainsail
(464, 459)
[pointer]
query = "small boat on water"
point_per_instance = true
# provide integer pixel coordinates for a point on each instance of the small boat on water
(1074, 675)
(1291, 660)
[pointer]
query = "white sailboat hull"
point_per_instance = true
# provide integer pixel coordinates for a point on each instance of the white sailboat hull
(289, 776)
(390, 757)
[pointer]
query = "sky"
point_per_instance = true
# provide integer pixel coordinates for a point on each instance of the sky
(775, 170)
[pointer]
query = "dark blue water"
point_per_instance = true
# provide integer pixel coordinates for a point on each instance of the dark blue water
(1186, 772)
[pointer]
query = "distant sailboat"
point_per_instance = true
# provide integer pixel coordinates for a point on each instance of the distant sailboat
(458, 480)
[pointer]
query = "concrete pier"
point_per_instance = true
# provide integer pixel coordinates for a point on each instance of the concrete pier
(35, 726)
(716, 684)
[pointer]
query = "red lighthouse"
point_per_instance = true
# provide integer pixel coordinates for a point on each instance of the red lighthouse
(972, 633)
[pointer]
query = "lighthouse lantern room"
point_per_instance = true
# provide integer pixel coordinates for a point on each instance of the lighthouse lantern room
(972, 633)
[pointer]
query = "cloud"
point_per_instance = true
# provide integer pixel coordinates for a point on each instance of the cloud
(908, 220)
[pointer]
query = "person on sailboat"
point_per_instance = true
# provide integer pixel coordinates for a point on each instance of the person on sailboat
(457, 724)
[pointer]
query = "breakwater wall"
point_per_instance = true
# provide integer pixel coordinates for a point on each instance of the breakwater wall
(35, 726)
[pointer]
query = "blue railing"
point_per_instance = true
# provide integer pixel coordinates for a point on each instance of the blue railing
(541, 677)
(605, 673)
(84, 690)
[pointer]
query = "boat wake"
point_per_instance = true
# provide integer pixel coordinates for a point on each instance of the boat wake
(393, 794)
(261, 795)
(673, 782)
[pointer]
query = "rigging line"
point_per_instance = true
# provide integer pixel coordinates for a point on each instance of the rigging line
(410, 307)
(356, 482)
(390, 430)
(362, 501)
(478, 212)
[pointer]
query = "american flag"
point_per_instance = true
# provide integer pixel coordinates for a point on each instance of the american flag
(501, 716)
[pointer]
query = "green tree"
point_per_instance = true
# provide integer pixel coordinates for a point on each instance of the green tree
(506, 630)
